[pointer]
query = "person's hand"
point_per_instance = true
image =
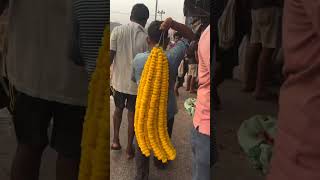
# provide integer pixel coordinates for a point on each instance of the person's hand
(166, 24)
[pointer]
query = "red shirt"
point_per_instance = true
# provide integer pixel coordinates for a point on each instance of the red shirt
(297, 149)
(202, 114)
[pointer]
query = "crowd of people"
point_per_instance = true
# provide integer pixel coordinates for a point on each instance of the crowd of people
(130, 46)
(49, 67)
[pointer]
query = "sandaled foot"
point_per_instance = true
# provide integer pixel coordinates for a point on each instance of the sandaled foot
(158, 164)
(116, 146)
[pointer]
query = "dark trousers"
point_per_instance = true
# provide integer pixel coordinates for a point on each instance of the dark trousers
(142, 162)
(200, 155)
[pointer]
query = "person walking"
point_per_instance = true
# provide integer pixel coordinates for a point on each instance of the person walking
(125, 42)
(174, 56)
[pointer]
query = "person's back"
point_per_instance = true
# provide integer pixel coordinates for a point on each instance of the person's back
(39, 44)
(297, 149)
(158, 36)
(130, 40)
(174, 56)
(125, 42)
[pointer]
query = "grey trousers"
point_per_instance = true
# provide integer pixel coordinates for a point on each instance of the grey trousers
(142, 162)
(200, 155)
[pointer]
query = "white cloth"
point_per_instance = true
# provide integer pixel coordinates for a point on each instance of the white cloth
(127, 40)
(39, 49)
(226, 25)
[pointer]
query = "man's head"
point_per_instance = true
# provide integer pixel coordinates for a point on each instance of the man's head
(177, 36)
(154, 35)
(140, 14)
(199, 25)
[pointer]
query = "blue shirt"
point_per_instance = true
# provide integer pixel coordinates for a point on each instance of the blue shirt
(174, 55)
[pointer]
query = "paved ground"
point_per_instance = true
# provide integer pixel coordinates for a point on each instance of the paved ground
(180, 169)
(232, 165)
(236, 107)
(7, 149)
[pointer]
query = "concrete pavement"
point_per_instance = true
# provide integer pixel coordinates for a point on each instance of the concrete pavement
(179, 169)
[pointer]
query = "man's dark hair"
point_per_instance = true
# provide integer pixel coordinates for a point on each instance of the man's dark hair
(154, 32)
(139, 12)
(177, 34)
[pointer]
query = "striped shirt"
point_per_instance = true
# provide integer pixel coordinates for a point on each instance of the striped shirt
(91, 17)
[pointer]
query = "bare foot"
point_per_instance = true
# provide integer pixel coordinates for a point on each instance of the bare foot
(130, 153)
(115, 146)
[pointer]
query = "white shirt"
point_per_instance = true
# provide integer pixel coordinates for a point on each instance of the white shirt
(127, 40)
(39, 50)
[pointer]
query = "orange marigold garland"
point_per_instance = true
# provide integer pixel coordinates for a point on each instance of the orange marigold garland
(151, 108)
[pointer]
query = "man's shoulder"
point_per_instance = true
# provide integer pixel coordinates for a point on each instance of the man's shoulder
(140, 58)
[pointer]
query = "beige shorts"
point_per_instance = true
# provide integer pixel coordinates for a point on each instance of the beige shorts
(193, 70)
(266, 25)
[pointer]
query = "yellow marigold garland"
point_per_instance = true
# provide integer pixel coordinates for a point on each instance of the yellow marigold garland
(151, 108)
(95, 160)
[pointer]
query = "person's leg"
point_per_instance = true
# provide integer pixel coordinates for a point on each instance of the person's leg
(264, 66)
(188, 82)
(269, 35)
(131, 103)
(194, 154)
(201, 145)
(192, 84)
(252, 56)
(193, 78)
(26, 162)
(176, 88)
(66, 139)
(250, 67)
(31, 120)
(157, 162)
(170, 125)
(142, 165)
(119, 100)
(67, 168)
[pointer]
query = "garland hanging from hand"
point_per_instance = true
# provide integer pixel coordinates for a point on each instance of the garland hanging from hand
(151, 108)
